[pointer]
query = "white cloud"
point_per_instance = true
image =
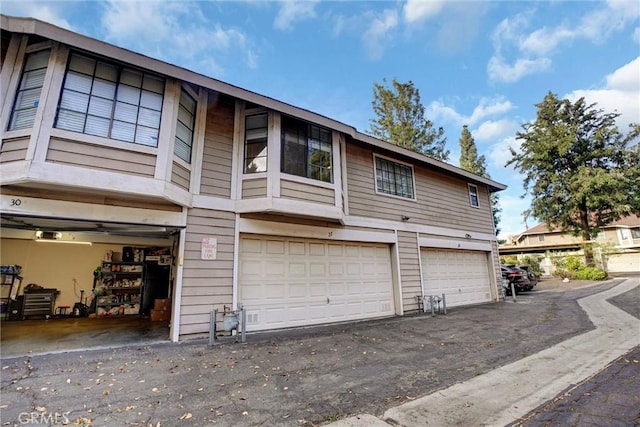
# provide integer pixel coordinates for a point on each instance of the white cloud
(531, 50)
(620, 93)
(493, 129)
(545, 40)
(501, 71)
(158, 29)
(500, 153)
(292, 11)
(377, 36)
(486, 107)
(419, 10)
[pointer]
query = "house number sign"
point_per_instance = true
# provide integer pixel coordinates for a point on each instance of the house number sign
(209, 248)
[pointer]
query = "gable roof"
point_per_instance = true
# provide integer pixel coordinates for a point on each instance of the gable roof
(627, 221)
(52, 32)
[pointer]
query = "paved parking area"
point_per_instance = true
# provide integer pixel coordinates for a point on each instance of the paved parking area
(301, 377)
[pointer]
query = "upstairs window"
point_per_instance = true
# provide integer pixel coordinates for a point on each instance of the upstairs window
(635, 233)
(111, 101)
(306, 150)
(28, 96)
(185, 127)
(473, 196)
(255, 143)
(541, 238)
(394, 178)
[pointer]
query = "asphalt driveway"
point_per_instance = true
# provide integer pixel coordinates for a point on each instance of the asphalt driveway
(302, 377)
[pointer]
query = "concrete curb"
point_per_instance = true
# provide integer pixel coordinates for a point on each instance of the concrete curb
(505, 394)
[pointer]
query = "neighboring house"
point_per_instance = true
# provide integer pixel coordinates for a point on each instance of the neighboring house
(297, 217)
(617, 245)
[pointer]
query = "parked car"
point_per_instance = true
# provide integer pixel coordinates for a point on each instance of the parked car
(530, 274)
(512, 274)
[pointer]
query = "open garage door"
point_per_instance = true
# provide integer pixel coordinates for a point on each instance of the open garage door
(463, 276)
(288, 282)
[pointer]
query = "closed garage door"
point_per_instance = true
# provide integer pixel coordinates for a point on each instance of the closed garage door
(624, 263)
(286, 282)
(463, 276)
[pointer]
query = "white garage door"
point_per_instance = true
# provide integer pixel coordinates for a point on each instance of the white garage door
(463, 276)
(624, 263)
(285, 282)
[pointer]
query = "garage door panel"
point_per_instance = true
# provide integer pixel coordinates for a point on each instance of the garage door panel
(463, 276)
(312, 281)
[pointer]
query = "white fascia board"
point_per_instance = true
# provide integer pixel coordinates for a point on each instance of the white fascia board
(30, 206)
(288, 207)
(111, 182)
(270, 228)
(412, 227)
(428, 242)
(33, 26)
(214, 203)
(14, 172)
(91, 179)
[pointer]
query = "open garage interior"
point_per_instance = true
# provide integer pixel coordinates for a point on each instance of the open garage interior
(463, 276)
(56, 268)
(288, 282)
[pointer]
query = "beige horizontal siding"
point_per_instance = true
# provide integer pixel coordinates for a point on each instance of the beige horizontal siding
(14, 149)
(206, 284)
(441, 200)
(409, 269)
(101, 157)
(180, 175)
(254, 188)
(218, 147)
(306, 192)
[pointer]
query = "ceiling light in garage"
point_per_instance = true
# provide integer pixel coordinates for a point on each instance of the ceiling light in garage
(55, 237)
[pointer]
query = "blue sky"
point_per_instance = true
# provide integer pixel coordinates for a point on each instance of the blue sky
(480, 63)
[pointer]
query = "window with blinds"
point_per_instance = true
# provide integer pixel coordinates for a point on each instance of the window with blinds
(111, 101)
(185, 127)
(28, 95)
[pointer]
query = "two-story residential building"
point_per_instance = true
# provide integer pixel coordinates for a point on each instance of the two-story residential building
(299, 218)
(617, 245)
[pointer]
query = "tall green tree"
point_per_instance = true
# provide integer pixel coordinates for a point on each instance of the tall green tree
(470, 162)
(400, 120)
(578, 168)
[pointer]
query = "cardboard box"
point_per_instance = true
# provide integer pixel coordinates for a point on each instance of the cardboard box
(162, 304)
(160, 315)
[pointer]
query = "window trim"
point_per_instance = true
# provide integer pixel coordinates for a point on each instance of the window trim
(395, 196)
(120, 67)
(243, 163)
(194, 96)
(285, 117)
(471, 196)
(17, 91)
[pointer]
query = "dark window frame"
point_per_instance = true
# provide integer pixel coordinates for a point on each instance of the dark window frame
(120, 102)
(306, 150)
(394, 178)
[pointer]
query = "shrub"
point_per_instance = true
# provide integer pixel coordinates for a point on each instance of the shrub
(591, 273)
(574, 263)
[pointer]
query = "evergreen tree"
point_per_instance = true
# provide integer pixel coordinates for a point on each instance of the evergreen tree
(400, 120)
(470, 162)
(578, 168)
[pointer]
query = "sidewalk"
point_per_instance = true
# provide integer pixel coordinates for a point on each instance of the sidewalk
(508, 393)
(304, 377)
